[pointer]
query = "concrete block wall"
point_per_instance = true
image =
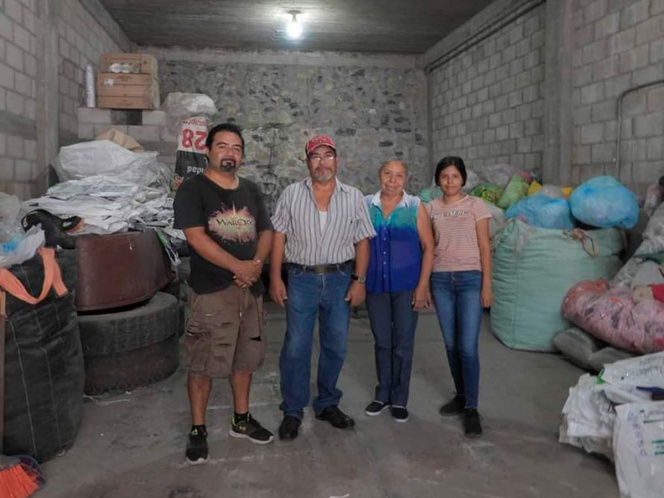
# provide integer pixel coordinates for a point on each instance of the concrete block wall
(487, 103)
(81, 40)
(18, 100)
(618, 45)
(24, 48)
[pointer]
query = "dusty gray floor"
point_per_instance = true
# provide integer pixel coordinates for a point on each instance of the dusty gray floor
(132, 444)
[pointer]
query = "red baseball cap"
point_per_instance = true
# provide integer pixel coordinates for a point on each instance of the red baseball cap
(317, 141)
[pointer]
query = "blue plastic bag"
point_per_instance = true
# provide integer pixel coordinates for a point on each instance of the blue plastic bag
(604, 202)
(542, 211)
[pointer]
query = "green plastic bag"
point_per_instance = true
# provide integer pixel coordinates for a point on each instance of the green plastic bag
(533, 268)
(515, 190)
(490, 192)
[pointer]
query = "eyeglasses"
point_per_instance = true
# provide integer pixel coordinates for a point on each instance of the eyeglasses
(316, 158)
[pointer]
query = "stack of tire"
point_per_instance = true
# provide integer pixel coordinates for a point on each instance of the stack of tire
(129, 311)
(44, 371)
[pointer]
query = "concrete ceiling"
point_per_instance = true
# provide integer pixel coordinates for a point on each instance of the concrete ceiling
(389, 26)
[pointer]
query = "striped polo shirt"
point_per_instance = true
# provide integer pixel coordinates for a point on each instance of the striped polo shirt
(455, 233)
(396, 254)
(297, 216)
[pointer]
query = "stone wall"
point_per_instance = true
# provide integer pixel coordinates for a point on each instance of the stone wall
(618, 45)
(18, 95)
(373, 107)
(487, 102)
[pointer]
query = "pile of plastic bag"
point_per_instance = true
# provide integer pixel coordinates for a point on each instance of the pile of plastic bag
(111, 188)
(602, 202)
(614, 415)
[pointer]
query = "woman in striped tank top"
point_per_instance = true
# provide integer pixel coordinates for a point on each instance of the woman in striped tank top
(460, 284)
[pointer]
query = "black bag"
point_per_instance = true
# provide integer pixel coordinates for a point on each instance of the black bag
(44, 370)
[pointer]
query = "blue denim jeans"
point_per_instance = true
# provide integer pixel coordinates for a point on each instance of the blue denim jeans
(459, 309)
(311, 295)
(393, 323)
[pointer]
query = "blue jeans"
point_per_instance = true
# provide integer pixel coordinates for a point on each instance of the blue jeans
(459, 309)
(393, 323)
(310, 295)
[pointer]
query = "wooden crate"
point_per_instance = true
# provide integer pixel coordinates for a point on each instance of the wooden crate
(127, 91)
(140, 63)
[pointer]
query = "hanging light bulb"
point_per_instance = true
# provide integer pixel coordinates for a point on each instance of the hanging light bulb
(294, 28)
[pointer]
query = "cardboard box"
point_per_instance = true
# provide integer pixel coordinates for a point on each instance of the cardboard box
(144, 103)
(127, 91)
(111, 85)
(136, 63)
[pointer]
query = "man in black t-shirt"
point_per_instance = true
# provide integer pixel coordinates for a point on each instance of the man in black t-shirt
(229, 232)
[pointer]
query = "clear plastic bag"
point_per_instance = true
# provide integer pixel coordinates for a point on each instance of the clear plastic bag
(16, 246)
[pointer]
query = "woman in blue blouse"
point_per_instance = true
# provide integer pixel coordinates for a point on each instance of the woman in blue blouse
(397, 285)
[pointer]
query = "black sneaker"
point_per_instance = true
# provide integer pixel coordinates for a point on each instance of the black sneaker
(453, 407)
(471, 423)
(336, 417)
(250, 429)
(399, 413)
(197, 448)
(375, 408)
(289, 428)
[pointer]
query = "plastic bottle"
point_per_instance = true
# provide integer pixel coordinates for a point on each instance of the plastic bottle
(90, 94)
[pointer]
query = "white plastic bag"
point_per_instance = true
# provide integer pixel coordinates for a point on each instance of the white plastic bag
(638, 442)
(106, 158)
(642, 371)
(588, 418)
(185, 105)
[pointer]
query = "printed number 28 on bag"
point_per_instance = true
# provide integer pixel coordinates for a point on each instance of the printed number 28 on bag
(192, 135)
(190, 158)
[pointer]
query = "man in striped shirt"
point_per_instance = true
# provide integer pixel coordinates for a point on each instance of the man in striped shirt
(320, 226)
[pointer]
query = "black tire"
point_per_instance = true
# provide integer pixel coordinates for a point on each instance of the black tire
(131, 369)
(174, 288)
(122, 331)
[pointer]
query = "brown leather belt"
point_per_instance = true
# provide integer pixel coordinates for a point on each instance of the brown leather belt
(322, 269)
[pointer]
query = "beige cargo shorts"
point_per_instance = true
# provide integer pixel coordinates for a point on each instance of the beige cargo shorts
(225, 333)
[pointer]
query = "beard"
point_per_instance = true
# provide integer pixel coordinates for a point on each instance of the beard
(323, 175)
(228, 165)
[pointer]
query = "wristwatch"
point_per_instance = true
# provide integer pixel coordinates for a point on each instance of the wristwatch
(361, 279)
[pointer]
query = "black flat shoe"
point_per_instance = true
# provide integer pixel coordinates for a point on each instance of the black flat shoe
(289, 428)
(336, 417)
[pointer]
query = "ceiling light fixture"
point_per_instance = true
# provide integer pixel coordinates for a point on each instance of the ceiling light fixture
(294, 28)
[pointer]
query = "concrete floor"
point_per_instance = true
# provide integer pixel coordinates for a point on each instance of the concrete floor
(132, 444)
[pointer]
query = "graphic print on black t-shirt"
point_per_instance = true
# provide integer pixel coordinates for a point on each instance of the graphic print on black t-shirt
(232, 225)
(232, 218)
